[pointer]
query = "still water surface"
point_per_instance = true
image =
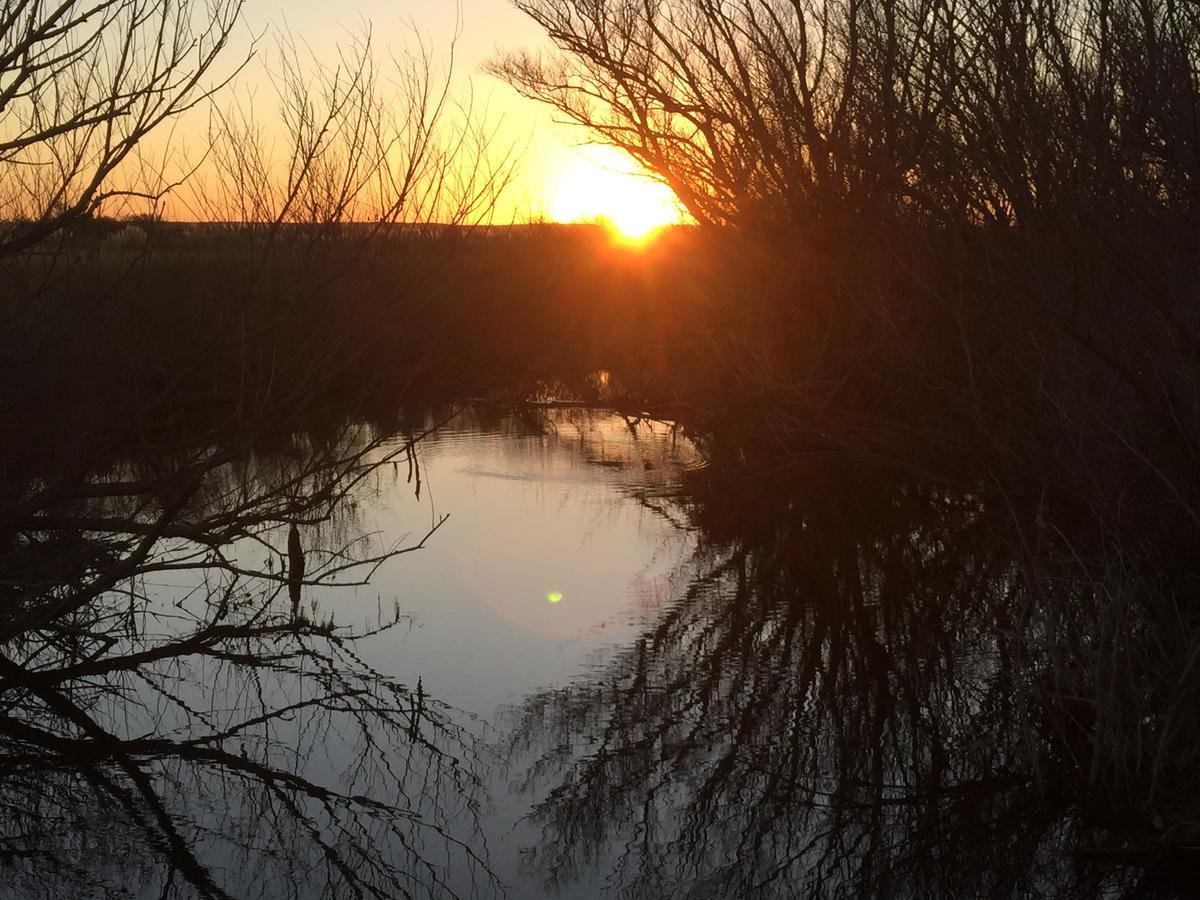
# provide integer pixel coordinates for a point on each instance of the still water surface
(559, 545)
(619, 666)
(553, 550)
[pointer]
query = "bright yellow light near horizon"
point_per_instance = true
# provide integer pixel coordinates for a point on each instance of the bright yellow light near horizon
(605, 184)
(554, 596)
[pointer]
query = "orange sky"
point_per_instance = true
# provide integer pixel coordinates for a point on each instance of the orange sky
(558, 178)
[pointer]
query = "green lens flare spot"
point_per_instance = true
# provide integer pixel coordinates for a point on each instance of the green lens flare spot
(554, 597)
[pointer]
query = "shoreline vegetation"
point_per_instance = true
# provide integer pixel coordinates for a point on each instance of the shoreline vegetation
(1059, 431)
(942, 244)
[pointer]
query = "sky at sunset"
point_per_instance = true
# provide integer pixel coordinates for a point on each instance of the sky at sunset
(558, 177)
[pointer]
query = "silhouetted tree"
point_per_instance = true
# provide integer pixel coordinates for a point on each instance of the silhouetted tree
(980, 220)
(988, 110)
(186, 726)
(82, 83)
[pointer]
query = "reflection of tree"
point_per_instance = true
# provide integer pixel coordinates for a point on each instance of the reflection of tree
(167, 721)
(855, 696)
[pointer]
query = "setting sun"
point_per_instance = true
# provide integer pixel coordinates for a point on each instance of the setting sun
(604, 184)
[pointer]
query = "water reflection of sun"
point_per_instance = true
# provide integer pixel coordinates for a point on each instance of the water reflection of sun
(603, 183)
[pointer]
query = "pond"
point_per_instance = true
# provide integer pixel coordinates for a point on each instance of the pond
(561, 543)
(546, 651)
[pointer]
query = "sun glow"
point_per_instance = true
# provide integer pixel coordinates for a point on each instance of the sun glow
(604, 184)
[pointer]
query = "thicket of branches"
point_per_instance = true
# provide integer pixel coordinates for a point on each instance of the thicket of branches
(858, 688)
(957, 239)
(172, 687)
(948, 110)
(969, 226)
(82, 84)
(178, 457)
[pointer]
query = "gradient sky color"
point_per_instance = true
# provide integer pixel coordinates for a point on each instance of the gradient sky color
(551, 152)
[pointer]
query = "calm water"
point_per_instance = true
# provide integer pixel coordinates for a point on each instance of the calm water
(618, 666)
(560, 546)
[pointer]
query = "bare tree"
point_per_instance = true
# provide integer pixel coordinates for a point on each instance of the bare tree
(181, 720)
(367, 138)
(961, 111)
(977, 202)
(81, 85)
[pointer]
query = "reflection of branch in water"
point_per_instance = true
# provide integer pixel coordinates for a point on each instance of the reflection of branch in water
(295, 568)
(247, 758)
(197, 731)
(850, 700)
